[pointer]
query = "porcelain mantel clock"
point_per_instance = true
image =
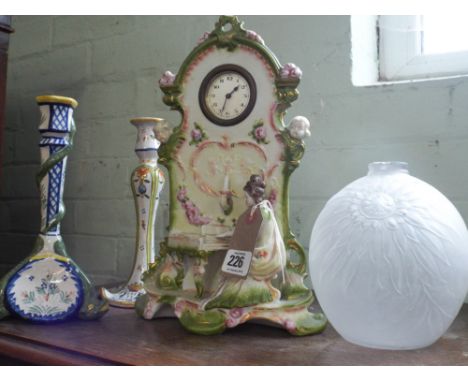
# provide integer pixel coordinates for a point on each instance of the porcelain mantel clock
(232, 93)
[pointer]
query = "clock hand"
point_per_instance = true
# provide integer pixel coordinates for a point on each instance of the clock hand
(231, 92)
(228, 95)
(224, 104)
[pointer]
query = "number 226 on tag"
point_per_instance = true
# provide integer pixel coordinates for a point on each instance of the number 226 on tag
(237, 262)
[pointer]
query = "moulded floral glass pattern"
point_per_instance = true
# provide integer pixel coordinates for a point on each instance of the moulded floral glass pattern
(389, 260)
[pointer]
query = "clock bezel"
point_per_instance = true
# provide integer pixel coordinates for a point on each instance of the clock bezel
(207, 81)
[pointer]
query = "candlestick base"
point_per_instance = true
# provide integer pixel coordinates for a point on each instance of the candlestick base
(48, 286)
(123, 296)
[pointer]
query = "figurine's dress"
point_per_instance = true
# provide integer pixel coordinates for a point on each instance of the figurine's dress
(268, 260)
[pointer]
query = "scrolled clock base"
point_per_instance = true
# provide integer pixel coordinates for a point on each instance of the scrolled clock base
(294, 315)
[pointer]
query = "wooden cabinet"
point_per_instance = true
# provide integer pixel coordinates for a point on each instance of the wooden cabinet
(5, 30)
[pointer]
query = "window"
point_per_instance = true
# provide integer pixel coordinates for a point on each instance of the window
(409, 47)
(422, 46)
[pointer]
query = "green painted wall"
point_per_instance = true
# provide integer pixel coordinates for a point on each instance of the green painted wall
(112, 64)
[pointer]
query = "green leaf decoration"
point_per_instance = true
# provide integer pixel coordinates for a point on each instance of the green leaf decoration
(201, 322)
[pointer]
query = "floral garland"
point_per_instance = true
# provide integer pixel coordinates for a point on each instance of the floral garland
(191, 210)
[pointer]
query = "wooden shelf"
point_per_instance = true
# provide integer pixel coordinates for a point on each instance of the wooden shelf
(123, 338)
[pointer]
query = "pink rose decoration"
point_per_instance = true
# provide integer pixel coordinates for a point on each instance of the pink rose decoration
(196, 135)
(230, 323)
(203, 37)
(236, 312)
(190, 210)
(179, 308)
(182, 194)
(290, 325)
(150, 309)
(167, 79)
(290, 70)
(260, 133)
(193, 215)
(234, 317)
(255, 36)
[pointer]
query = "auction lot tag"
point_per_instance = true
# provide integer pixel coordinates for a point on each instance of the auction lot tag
(237, 262)
(239, 256)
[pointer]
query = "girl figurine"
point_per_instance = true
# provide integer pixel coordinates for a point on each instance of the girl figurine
(268, 257)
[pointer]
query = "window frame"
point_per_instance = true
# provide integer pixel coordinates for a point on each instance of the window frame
(401, 56)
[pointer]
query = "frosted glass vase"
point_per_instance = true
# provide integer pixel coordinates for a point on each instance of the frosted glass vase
(389, 260)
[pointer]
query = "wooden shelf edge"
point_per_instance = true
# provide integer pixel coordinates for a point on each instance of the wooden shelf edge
(39, 354)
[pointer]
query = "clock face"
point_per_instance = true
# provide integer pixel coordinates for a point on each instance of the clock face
(227, 95)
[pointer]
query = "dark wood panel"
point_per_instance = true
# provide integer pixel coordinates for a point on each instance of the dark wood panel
(32, 353)
(5, 30)
(121, 337)
(5, 24)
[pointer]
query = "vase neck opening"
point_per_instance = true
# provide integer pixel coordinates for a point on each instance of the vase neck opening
(386, 168)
